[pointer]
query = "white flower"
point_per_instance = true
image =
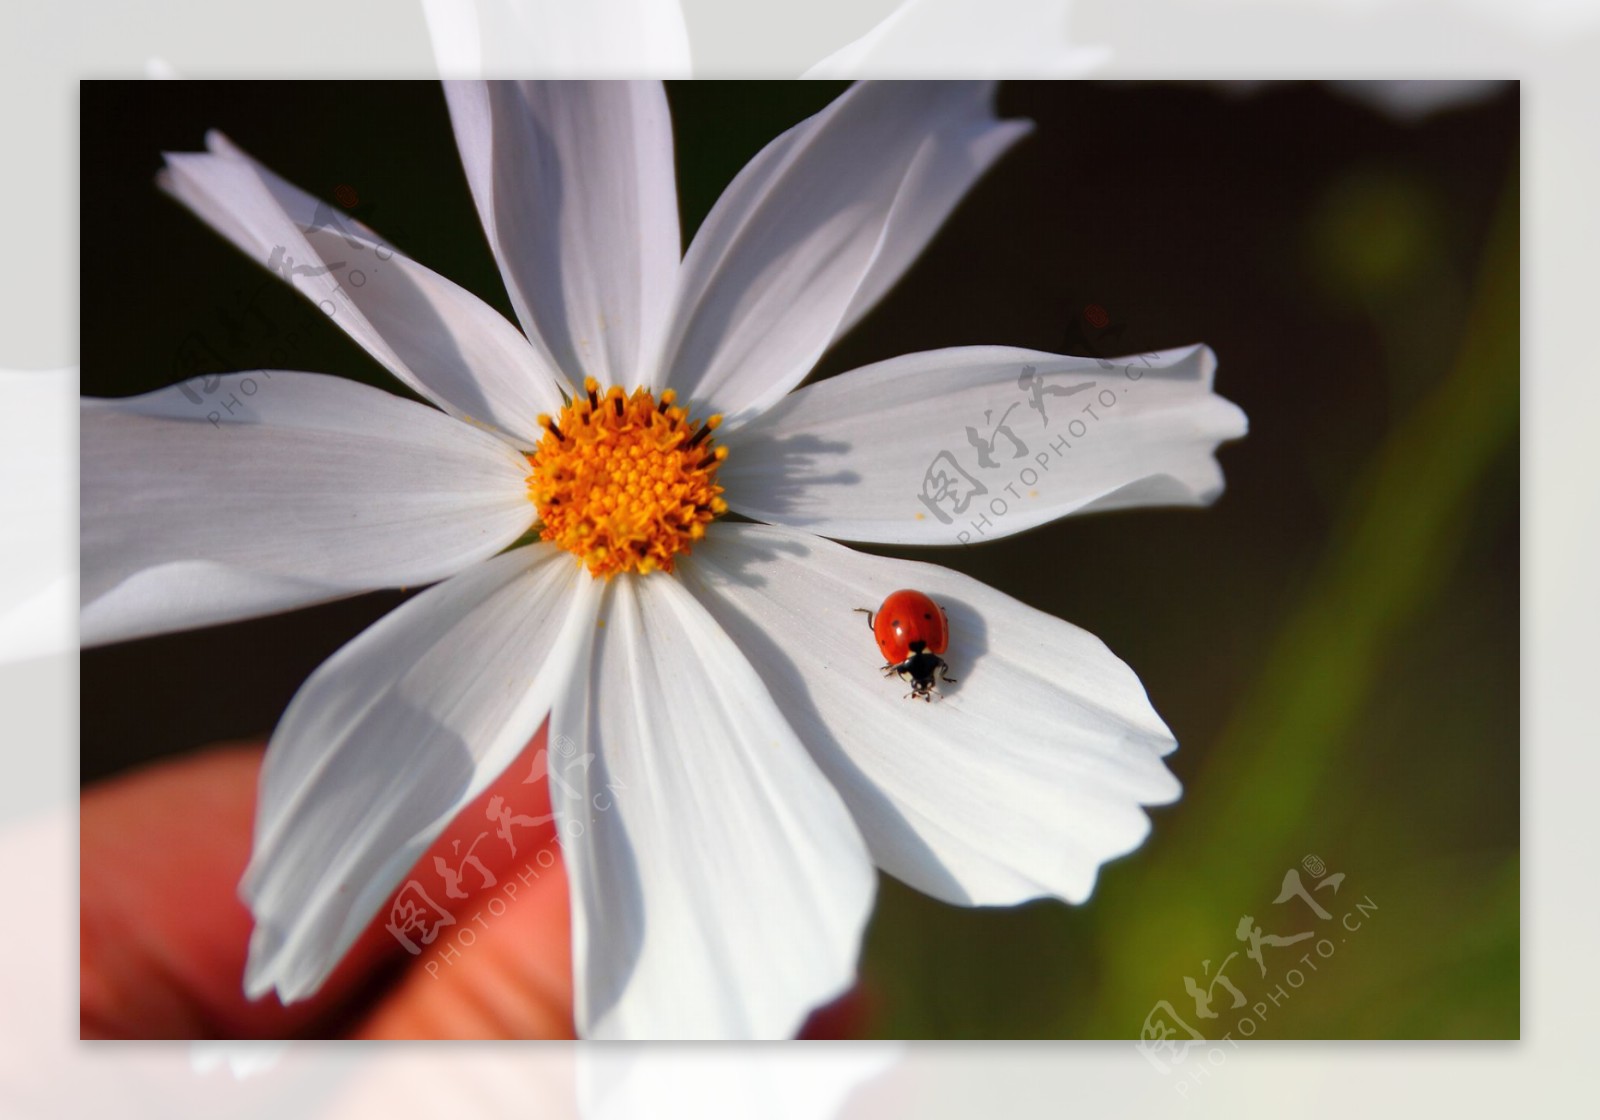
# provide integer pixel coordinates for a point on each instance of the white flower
(732, 694)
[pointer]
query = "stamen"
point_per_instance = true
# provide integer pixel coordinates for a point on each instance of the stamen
(627, 488)
(706, 429)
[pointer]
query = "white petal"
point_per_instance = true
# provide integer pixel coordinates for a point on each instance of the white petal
(559, 38)
(389, 740)
(818, 225)
(434, 335)
(955, 158)
(275, 490)
(719, 887)
(915, 450)
(1022, 38)
(1027, 776)
(574, 183)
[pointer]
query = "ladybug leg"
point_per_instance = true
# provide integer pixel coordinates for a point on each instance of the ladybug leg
(867, 612)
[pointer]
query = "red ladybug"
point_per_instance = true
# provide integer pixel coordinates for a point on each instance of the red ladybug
(912, 632)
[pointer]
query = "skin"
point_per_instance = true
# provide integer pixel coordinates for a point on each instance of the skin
(163, 935)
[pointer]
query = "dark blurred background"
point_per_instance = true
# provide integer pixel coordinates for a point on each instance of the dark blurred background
(1335, 643)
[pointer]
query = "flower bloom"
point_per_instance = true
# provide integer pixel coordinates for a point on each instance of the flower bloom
(711, 675)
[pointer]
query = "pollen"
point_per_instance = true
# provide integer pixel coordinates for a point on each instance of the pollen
(625, 482)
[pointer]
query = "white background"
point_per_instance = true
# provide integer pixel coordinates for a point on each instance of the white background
(1550, 44)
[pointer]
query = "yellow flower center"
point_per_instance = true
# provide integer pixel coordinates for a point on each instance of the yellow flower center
(625, 483)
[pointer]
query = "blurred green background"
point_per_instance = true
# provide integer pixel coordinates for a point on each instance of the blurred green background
(1335, 643)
